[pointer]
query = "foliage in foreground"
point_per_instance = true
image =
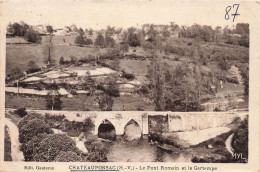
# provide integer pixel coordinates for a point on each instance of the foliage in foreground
(40, 144)
(240, 140)
(7, 147)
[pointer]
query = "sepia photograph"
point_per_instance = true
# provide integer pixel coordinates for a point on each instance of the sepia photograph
(103, 81)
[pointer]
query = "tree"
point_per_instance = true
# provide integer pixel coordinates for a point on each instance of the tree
(80, 39)
(124, 47)
(88, 125)
(48, 49)
(61, 61)
(88, 41)
(152, 33)
(105, 103)
(32, 66)
(21, 112)
(53, 98)
(90, 32)
(132, 37)
(218, 36)
(157, 82)
(165, 32)
(242, 28)
(234, 75)
(110, 31)
(49, 29)
(240, 140)
(206, 33)
(18, 29)
(246, 85)
(33, 36)
(81, 31)
(118, 31)
(197, 75)
(110, 42)
(100, 41)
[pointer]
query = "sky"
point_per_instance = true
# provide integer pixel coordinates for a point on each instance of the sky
(99, 14)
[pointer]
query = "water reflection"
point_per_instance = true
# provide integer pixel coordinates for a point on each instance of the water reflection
(121, 150)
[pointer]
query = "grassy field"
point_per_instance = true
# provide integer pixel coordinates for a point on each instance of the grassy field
(78, 103)
(180, 52)
(137, 67)
(18, 55)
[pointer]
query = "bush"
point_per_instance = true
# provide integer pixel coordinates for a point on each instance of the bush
(26, 119)
(175, 50)
(113, 90)
(105, 103)
(29, 148)
(97, 155)
(33, 128)
(53, 145)
(144, 89)
(176, 59)
(33, 70)
(88, 42)
(80, 40)
(33, 36)
(68, 157)
(21, 112)
(240, 139)
(54, 121)
(128, 76)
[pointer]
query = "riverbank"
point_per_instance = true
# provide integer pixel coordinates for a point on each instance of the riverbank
(217, 147)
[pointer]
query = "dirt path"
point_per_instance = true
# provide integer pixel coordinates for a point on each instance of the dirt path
(189, 138)
(228, 143)
(16, 154)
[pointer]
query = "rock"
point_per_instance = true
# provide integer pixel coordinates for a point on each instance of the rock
(210, 146)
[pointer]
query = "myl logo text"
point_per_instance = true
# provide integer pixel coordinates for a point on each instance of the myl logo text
(238, 156)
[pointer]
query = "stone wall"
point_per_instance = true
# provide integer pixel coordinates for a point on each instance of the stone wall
(177, 121)
(201, 120)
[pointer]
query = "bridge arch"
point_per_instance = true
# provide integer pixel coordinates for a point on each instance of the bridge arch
(106, 129)
(132, 130)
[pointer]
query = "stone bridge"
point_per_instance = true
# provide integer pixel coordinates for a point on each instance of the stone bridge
(177, 121)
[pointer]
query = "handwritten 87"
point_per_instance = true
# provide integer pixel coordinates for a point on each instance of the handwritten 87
(228, 9)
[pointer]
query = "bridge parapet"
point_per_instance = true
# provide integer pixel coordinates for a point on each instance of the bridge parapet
(177, 121)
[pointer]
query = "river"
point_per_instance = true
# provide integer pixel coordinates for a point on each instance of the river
(140, 150)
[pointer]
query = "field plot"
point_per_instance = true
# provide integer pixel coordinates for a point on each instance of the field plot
(153, 68)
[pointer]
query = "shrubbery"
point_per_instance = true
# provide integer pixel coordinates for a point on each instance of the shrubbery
(21, 112)
(29, 118)
(68, 157)
(128, 76)
(74, 128)
(240, 140)
(33, 128)
(29, 148)
(40, 144)
(52, 145)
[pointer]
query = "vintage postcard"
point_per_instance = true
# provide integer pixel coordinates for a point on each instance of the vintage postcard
(129, 85)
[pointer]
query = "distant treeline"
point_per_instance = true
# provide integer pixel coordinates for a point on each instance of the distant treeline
(139, 36)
